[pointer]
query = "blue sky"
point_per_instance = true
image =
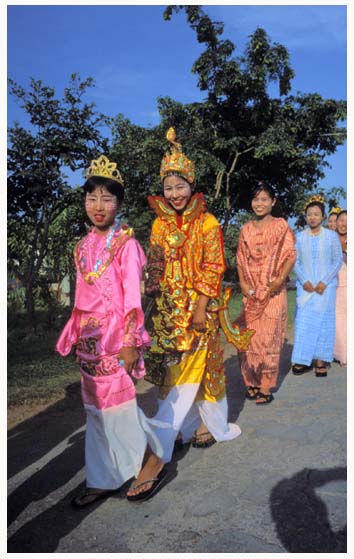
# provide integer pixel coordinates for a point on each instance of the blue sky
(135, 56)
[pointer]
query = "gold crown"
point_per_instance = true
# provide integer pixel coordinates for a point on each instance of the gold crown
(336, 210)
(315, 198)
(174, 160)
(103, 167)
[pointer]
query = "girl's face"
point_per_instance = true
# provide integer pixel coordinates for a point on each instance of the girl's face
(314, 217)
(101, 207)
(332, 222)
(342, 224)
(262, 204)
(177, 192)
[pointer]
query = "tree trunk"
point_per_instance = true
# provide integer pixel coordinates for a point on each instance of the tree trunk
(30, 306)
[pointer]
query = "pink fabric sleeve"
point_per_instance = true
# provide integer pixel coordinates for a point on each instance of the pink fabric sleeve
(69, 335)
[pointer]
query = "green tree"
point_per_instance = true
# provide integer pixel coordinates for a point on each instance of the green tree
(63, 133)
(248, 128)
(251, 131)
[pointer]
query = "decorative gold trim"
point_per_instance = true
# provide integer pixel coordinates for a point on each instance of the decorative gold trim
(91, 277)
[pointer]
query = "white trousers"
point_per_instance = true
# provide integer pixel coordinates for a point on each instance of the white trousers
(179, 412)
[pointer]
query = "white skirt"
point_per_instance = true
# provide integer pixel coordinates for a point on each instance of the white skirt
(115, 444)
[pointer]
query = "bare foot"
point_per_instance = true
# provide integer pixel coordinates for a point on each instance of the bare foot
(202, 429)
(152, 466)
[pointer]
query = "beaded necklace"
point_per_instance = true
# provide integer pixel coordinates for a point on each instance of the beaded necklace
(115, 227)
(111, 245)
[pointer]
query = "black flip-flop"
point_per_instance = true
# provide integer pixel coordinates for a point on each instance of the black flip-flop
(251, 392)
(268, 398)
(321, 371)
(157, 483)
(202, 443)
(91, 498)
(301, 369)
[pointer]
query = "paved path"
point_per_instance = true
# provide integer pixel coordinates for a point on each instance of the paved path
(279, 487)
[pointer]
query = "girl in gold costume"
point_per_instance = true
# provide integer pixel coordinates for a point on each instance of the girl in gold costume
(188, 255)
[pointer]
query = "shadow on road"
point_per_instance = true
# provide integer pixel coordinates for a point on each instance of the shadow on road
(34, 438)
(235, 386)
(43, 532)
(285, 363)
(301, 517)
(30, 441)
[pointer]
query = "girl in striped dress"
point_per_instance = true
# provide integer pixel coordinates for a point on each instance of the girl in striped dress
(265, 256)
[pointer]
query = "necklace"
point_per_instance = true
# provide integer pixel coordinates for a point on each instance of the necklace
(112, 243)
(115, 227)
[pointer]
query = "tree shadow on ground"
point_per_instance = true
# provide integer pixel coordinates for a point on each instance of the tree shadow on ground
(301, 517)
(35, 437)
(43, 532)
(29, 442)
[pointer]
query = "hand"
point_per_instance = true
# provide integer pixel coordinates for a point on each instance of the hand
(307, 286)
(199, 319)
(246, 290)
(274, 285)
(320, 287)
(130, 356)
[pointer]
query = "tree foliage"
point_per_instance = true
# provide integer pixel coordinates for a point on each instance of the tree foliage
(249, 127)
(251, 131)
(63, 133)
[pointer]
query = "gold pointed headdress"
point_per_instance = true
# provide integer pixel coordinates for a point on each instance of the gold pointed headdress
(103, 167)
(174, 160)
(336, 210)
(315, 198)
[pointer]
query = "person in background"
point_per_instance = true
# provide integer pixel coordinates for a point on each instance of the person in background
(107, 328)
(186, 347)
(332, 218)
(340, 343)
(319, 259)
(265, 257)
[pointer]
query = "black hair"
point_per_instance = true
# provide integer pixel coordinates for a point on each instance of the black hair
(341, 213)
(319, 205)
(262, 186)
(112, 186)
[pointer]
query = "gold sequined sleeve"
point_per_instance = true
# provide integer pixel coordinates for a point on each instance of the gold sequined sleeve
(213, 265)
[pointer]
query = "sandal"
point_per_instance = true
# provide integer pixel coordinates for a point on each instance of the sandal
(156, 485)
(252, 392)
(179, 444)
(89, 497)
(268, 398)
(321, 371)
(301, 369)
(203, 440)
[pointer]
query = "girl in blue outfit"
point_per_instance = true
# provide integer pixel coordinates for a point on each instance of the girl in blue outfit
(319, 259)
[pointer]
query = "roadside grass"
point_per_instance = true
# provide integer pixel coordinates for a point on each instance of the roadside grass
(37, 373)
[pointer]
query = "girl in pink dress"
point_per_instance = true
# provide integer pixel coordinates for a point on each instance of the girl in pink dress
(107, 328)
(340, 344)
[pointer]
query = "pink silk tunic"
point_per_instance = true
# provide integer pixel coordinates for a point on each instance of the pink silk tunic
(107, 316)
(340, 344)
(261, 255)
